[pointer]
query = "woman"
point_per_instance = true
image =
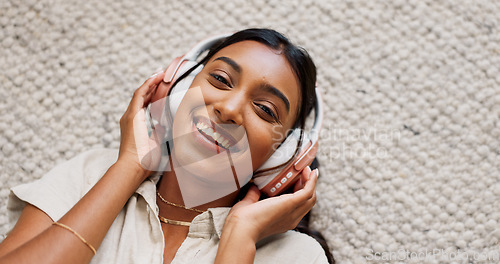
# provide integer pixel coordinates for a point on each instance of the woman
(103, 199)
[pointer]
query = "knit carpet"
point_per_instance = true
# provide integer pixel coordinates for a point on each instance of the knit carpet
(410, 149)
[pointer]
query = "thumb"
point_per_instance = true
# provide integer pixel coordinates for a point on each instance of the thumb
(252, 195)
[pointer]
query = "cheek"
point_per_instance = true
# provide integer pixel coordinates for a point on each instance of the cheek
(263, 141)
(208, 92)
(197, 81)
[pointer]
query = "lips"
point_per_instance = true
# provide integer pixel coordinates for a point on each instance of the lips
(214, 133)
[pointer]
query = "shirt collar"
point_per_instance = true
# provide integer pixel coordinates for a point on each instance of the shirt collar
(209, 223)
(148, 190)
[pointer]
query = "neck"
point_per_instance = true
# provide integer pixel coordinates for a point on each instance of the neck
(169, 189)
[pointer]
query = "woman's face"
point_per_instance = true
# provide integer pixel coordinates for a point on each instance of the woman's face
(243, 102)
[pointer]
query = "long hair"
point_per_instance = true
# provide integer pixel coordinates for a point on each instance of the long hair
(305, 71)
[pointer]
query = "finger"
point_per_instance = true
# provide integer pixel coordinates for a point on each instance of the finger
(306, 197)
(139, 98)
(298, 185)
(140, 93)
(307, 205)
(155, 80)
(252, 195)
(309, 187)
(151, 83)
(161, 91)
(149, 95)
(304, 175)
(306, 170)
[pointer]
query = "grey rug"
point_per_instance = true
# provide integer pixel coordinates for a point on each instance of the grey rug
(410, 150)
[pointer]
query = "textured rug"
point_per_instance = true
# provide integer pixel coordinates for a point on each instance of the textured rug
(410, 150)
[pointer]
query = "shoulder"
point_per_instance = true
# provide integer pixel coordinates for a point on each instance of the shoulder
(88, 166)
(60, 188)
(83, 169)
(91, 159)
(290, 247)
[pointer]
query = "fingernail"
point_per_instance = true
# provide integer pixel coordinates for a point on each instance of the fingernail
(308, 173)
(317, 172)
(158, 71)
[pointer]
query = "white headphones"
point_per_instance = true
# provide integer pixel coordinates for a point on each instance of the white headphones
(276, 181)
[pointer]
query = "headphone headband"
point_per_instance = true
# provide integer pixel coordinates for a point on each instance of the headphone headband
(204, 45)
(318, 117)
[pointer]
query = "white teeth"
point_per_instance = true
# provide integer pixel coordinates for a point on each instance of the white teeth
(216, 136)
(223, 141)
(201, 126)
(208, 130)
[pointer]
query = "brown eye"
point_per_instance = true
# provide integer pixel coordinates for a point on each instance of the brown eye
(220, 79)
(268, 112)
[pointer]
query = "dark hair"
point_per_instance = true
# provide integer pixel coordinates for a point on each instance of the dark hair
(305, 71)
(303, 227)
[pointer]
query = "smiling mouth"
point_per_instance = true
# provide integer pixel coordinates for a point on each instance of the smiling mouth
(216, 135)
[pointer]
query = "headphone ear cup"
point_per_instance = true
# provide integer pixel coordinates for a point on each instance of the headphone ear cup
(281, 155)
(157, 110)
(179, 90)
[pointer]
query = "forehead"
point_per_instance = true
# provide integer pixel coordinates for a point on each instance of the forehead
(260, 63)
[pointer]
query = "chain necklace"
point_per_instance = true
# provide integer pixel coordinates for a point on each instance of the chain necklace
(178, 205)
(173, 222)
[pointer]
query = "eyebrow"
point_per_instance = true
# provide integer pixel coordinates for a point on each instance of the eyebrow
(267, 87)
(231, 63)
(273, 90)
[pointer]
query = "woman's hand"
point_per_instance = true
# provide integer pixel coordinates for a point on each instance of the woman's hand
(138, 151)
(277, 214)
(251, 220)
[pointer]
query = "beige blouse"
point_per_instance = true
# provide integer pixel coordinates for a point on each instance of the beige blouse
(136, 236)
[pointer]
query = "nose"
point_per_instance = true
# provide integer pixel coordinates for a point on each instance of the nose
(229, 109)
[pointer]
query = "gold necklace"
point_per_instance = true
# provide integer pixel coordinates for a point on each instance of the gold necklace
(173, 222)
(178, 205)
